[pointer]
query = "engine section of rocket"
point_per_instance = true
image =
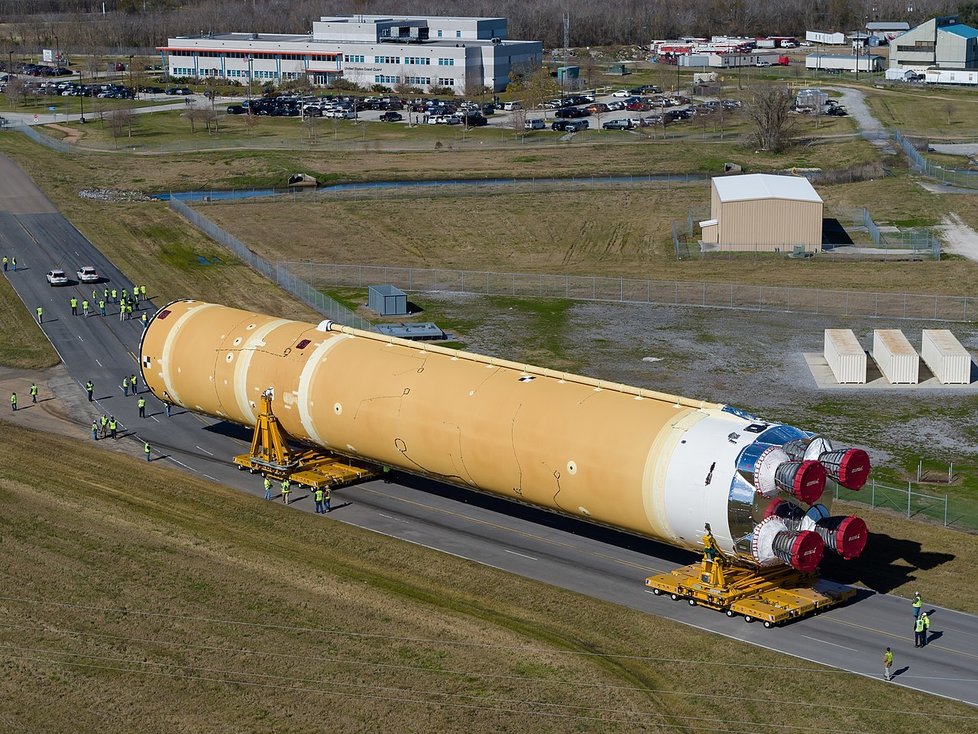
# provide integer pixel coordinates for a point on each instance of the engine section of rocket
(645, 462)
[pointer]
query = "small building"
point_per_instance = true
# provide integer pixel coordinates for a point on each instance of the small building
(568, 74)
(732, 61)
(617, 70)
(387, 300)
(825, 38)
(887, 30)
(811, 99)
(762, 212)
(950, 76)
(940, 42)
(844, 62)
(695, 61)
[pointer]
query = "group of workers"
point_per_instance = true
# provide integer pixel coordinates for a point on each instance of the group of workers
(921, 630)
(320, 495)
(127, 303)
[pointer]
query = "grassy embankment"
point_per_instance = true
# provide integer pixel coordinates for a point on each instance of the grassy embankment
(22, 343)
(190, 605)
(943, 113)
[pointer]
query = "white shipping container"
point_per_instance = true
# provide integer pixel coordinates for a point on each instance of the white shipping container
(845, 356)
(897, 359)
(947, 359)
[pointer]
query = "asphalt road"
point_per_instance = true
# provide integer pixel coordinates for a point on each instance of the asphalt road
(573, 555)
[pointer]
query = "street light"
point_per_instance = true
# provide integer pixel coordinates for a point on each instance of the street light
(251, 76)
(81, 97)
(131, 83)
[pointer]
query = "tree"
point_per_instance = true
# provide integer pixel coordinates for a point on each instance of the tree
(15, 90)
(768, 109)
(120, 120)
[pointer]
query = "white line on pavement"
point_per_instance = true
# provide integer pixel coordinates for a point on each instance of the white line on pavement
(522, 555)
(204, 450)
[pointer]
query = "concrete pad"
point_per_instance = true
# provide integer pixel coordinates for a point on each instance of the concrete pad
(825, 380)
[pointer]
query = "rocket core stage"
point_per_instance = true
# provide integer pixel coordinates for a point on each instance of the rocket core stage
(645, 462)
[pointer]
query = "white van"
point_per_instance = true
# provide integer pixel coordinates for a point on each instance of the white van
(510, 106)
(535, 124)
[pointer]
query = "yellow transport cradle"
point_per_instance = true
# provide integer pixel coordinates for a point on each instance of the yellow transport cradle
(271, 455)
(773, 596)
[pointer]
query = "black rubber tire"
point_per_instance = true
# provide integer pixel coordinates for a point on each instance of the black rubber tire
(656, 592)
(730, 613)
(768, 625)
(691, 602)
(674, 597)
(748, 618)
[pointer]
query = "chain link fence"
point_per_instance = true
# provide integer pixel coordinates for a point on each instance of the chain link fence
(952, 176)
(286, 277)
(914, 504)
(635, 290)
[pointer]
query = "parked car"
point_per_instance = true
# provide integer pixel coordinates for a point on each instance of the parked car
(87, 274)
(620, 93)
(618, 125)
(570, 126)
(535, 124)
(56, 277)
(511, 106)
(763, 64)
(474, 119)
(391, 116)
(236, 109)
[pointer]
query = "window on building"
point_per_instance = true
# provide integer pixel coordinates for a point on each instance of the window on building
(419, 80)
(458, 34)
(386, 79)
(354, 58)
(439, 34)
(446, 62)
(445, 82)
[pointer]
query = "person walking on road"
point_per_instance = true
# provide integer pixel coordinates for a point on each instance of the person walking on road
(125, 386)
(95, 430)
(888, 664)
(101, 307)
(85, 307)
(145, 319)
(40, 315)
(916, 603)
(142, 292)
(128, 312)
(34, 393)
(133, 382)
(89, 388)
(318, 497)
(268, 486)
(103, 425)
(386, 472)
(919, 632)
(113, 426)
(326, 498)
(147, 449)
(13, 262)
(166, 407)
(13, 401)
(141, 404)
(5, 261)
(926, 620)
(74, 306)
(114, 294)
(286, 488)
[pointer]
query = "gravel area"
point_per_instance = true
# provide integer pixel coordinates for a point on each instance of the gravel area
(752, 360)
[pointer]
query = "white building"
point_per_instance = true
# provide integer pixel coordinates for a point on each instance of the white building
(825, 38)
(941, 43)
(459, 53)
(844, 62)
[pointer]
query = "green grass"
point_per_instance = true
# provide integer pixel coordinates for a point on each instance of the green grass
(179, 601)
(22, 343)
(935, 113)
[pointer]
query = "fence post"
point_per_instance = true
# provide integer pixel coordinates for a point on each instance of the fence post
(909, 497)
(872, 502)
(945, 510)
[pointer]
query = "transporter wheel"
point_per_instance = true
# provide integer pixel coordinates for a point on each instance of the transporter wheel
(748, 618)
(730, 613)
(768, 625)
(691, 602)
(674, 597)
(656, 592)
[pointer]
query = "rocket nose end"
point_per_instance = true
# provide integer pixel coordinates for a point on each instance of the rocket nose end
(806, 552)
(851, 537)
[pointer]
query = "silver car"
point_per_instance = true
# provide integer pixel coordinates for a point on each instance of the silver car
(87, 274)
(56, 277)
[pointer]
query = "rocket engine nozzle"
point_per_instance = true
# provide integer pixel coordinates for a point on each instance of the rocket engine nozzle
(804, 480)
(775, 541)
(849, 467)
(844, 534)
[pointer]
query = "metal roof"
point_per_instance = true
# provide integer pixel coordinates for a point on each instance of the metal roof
(421, 332)
(764, 186)
(880, 25)
(960, 29)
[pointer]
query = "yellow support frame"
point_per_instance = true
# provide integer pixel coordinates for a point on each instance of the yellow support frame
(271, 456)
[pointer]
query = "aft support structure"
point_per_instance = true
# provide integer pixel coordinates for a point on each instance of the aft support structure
(773, 596)
(271, 455)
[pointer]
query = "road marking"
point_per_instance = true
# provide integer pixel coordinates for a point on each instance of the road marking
(204, 450)
(98, 363)
(824, 642)
(389, 517)
(177, 461)
(895, 636)
(522, 555)
(209, 477)
(155, 418)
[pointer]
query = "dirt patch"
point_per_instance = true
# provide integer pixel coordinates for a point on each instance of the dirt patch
(957, 237)
(71, 135)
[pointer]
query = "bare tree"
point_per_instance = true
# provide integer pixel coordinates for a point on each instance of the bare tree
(120, 120)
(193, 116)
(949, 110)
(15, 90)
(768, 108)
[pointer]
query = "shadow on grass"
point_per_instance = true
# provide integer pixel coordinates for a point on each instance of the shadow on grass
(886, 564)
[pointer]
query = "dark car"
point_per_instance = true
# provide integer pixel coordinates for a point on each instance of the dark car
(236, 109)
(571, 113)
(489, 109)
(570, 126)
(474, 119)
(618, 125)
(391, 116)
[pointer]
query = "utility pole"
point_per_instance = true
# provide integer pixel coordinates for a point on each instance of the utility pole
(563, 78)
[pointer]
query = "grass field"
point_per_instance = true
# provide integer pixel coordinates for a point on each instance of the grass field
(602, 231)
(936, 113)
(22, 343)
(197, 608)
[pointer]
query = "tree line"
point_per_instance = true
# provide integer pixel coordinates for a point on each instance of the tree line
(80, 25)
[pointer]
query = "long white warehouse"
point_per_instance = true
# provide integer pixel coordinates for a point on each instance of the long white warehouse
(462, 54)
